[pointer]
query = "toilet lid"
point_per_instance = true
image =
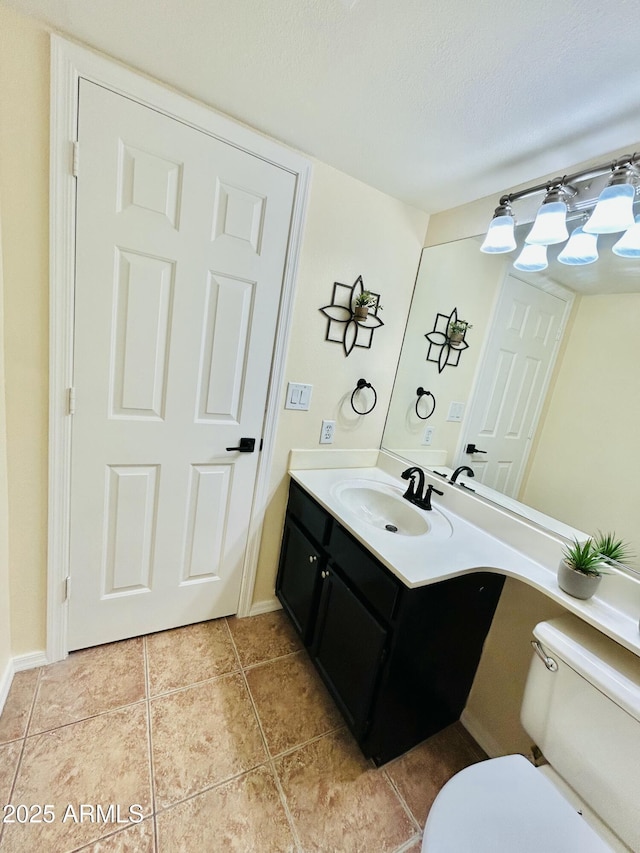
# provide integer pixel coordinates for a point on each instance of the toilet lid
(505, 805)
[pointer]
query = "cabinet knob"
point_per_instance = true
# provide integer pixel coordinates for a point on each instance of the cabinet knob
(313, 558)
(324, 574)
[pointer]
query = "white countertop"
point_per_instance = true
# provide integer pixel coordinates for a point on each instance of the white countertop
(419, 560)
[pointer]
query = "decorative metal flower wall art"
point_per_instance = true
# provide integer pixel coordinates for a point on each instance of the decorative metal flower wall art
(343, 327)
(443, 349)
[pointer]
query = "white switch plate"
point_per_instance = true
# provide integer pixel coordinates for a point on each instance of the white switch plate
(327, 432)
(427, 437)
(456, 412)
(298, 396)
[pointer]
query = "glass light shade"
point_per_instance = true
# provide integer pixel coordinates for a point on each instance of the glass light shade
(581, 249)
(532, 258)
(550, 225)
(628, 246)
(613, 211)
(499, 237)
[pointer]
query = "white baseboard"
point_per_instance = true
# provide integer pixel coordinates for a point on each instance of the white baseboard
(29, 661)
(18, 664)
(266, 606)
(481, 736)
(5, 683)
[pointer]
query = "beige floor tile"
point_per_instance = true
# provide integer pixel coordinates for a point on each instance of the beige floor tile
(292, 702)
(186, 655)
(15, 714)
(203, 735)
(339, 802)
(243, 815)
(264, 637)
(104, 760)
(9, 756)
(135, 839)
(420, 773)
(89, 682)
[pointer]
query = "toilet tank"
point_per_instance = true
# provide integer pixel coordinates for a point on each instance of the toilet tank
(585, 717)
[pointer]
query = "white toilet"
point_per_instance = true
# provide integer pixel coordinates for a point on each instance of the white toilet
(581, 707)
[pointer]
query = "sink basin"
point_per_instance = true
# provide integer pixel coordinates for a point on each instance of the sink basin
(383, 506)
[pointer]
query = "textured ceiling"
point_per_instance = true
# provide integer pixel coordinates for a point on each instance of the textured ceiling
(436, 103)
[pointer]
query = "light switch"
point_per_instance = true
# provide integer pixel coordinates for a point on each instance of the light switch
(456, 412)
(298, 396)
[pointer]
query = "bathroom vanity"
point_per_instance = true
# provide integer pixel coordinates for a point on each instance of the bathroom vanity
(399, 662)
(394, 617)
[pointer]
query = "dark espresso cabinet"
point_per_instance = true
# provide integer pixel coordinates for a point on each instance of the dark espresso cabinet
(399, 662)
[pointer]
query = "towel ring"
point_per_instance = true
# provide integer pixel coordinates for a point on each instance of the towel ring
(422, 393)
(362, 383)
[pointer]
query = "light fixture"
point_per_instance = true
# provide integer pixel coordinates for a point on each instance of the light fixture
(581, 249)
(551, 221)
(628, 246)
(614, 209)
(532, 258)
(500, 237)
(608, 213)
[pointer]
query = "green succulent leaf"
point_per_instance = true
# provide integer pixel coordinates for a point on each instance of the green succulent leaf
(583, 557)
(612, 548)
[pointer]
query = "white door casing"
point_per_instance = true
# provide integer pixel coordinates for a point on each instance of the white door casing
(513, 378)
(145, 398)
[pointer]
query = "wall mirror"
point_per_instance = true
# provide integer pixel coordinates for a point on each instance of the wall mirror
(572, 404)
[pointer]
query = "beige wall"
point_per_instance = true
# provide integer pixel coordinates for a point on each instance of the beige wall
(5, 625)
(351, 230)
(596, 389)
(24, 176)
(493, 708)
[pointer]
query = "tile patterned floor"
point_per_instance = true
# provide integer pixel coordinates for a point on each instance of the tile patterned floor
(224, 738)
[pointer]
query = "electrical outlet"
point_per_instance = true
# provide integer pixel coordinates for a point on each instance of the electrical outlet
(427, 438)
(327, 432)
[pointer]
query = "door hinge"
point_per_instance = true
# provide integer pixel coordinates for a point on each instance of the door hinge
(261, 444)
(67, 587)
(75, 167)
(71, 401)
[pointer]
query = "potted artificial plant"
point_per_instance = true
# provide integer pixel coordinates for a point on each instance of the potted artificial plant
(579, 572)
(457, 328)
(362, 303)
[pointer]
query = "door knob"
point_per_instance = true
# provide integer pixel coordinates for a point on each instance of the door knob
(247, 445)
(471, 448)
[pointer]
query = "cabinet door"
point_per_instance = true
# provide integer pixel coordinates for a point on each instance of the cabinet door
(348, 650)
(297, 585)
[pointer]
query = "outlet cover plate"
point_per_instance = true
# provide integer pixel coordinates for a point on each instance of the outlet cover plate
(327, 432)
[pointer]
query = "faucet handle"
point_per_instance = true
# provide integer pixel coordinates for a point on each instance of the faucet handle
(425, 503)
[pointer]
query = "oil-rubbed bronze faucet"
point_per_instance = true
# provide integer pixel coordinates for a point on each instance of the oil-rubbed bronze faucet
(416, 493)
(459, 471)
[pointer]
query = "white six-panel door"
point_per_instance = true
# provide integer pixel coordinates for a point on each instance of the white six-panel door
(181, 246)
(514, 376)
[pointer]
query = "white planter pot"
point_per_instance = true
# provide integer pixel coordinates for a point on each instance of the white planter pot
(576, 583)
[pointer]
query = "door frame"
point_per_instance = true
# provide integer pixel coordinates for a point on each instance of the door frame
(69, 63)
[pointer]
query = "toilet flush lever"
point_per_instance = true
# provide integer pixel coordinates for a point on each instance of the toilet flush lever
(549, 662)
